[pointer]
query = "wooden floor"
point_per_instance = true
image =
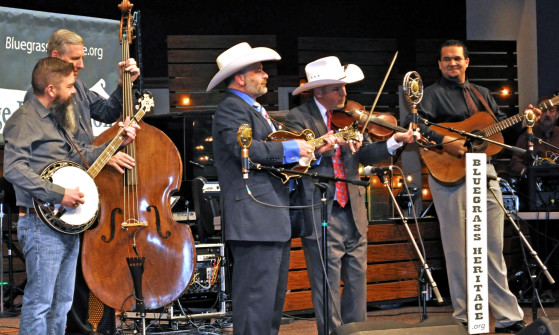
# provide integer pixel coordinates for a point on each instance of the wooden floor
(301, 324)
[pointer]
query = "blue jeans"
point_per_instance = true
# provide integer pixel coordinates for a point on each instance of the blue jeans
(50, 260)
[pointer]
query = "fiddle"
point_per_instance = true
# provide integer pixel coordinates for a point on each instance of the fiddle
(380, 126)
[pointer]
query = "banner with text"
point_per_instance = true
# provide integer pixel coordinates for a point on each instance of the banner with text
(24, 35)
(476, 243)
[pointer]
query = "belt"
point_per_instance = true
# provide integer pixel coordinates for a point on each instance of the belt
(25, 211)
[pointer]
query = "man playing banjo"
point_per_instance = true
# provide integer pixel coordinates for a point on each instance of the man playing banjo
(39, 133)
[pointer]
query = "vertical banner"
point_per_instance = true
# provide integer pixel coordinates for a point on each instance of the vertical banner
(23, 41)
(476, 243)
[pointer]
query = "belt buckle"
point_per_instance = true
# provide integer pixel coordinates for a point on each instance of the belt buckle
(23, 211)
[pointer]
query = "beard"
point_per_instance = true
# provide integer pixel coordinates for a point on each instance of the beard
(546, 126)
(256, 89)
(63, 114)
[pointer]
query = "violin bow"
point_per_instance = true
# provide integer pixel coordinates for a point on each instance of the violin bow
(379, 92)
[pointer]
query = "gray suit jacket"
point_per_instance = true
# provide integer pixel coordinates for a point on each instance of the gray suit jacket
(244, 219)
(307, 116)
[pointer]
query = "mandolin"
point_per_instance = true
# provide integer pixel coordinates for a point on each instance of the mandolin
(347, 133)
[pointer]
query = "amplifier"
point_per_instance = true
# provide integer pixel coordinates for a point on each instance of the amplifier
(542, 186)
(207, 288)
(205, 298)
(511, 202)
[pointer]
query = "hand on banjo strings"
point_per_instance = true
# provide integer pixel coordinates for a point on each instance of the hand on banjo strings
(72, 197)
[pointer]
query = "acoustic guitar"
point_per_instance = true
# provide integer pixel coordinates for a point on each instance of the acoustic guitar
(451, 170)
(347, 133)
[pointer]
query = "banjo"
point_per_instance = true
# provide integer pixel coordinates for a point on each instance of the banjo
(71, 175)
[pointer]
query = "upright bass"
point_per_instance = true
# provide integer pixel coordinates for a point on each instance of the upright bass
(137, 256)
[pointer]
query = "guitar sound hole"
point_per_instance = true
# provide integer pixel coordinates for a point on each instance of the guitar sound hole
(477, 145)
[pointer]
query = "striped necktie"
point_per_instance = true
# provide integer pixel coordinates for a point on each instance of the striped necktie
(342, 192)
(260, 109)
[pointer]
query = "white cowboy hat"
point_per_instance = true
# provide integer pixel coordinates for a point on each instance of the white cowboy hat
(329, 70)
(237, 58)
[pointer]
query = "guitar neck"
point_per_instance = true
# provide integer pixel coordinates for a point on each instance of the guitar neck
(500, 126)
(548, 103)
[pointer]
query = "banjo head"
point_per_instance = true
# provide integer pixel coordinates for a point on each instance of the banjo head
(69, 220)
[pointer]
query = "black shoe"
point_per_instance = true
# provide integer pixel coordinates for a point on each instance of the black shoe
(512, 329)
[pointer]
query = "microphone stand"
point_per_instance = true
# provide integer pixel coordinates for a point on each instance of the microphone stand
(323, 187)
(531, 251)
(540, 141)
(472, 136)
(424, 267)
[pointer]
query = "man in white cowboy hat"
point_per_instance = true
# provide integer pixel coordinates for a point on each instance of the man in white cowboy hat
(257, 225)
(347, 217)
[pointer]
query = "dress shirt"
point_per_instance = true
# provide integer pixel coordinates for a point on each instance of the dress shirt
(32, 142)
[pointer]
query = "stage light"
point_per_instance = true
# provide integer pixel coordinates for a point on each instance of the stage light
(199, 147)
(185, 101)
(504, 91)
(209, 139)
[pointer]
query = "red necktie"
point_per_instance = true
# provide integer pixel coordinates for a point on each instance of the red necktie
(472, 107)
(342, 193)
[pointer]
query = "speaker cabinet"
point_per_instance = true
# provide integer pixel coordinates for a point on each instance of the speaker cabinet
(440, 325)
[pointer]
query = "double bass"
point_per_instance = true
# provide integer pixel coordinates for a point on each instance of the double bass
(137, 256)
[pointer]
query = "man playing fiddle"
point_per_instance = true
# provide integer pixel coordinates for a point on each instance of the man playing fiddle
(347, 215)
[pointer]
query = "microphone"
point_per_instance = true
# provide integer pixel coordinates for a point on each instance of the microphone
(491, 177)
(369, 170)
(244, 137)
(530, 118)
(413, 92)
(517, 150)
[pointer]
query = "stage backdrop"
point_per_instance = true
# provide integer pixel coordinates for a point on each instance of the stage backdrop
(24, 35)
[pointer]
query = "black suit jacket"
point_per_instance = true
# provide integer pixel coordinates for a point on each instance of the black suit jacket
(307, 116)
(243, 218)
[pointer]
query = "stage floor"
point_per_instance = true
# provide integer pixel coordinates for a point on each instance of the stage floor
(305, 324)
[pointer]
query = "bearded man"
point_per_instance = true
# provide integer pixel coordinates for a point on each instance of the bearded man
(39, 133)
(546, 129)
(257, 224)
